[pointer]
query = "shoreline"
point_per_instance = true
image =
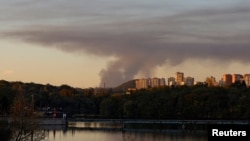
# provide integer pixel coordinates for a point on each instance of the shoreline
(162, 121)
(62, 121)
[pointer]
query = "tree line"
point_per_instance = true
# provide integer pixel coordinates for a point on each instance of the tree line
(181, 102)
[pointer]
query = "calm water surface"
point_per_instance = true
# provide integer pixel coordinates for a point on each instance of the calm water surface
(80, 131)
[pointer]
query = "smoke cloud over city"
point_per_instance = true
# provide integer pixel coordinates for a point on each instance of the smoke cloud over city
(140, 42)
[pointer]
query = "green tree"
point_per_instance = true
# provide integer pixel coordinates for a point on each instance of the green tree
(129, 109)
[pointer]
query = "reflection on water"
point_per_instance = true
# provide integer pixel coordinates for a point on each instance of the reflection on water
(97, 132)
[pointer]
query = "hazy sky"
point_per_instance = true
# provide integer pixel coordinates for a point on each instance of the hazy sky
(85, 43)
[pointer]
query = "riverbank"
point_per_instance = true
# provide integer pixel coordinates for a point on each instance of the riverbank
(142, 124)
(127, 121)
(62, 121)
(42, 121)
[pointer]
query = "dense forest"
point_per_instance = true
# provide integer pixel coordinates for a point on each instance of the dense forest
(197, 102)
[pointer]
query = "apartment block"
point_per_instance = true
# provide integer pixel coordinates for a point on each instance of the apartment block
(142, 83)
(236, 77)
(162, 82)
(150, 83)
(211, 81)
(179, 78)
(155, 82)
(189, 81)
(171, 81)
(246, 78)
(227, 80)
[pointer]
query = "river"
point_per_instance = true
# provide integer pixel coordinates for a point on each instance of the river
(95, 131)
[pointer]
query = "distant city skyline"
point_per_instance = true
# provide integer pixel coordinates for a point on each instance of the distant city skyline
(89, 43)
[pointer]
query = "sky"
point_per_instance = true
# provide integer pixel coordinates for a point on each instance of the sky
(86, 43)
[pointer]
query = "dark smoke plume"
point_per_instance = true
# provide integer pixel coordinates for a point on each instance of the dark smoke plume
(141, 44)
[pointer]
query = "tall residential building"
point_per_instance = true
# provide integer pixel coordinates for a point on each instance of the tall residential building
(155, 82)
(149, 83)
(236, 77)
(189, 81)
(171, 81)
(142, 83)
(162, 82)
(227, 80)
(211, 81)
(179, 78)
(247, 79)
